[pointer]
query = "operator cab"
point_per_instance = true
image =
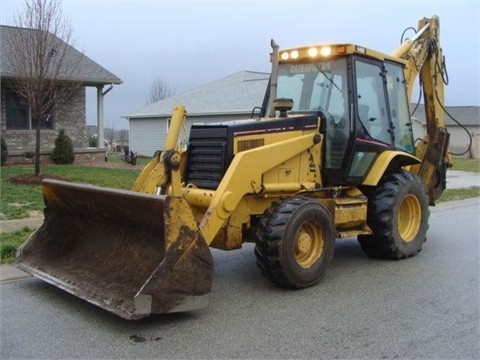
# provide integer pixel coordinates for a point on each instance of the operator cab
(360, 95)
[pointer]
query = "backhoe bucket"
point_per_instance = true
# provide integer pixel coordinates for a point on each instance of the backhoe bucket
(130, 253)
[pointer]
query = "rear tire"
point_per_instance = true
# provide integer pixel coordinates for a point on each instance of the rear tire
(398, 216)
(295, 242)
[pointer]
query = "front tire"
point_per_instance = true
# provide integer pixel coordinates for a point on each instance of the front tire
(295, 242)
(398, 216)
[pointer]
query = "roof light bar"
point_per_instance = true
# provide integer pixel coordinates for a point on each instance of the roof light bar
(312, 52)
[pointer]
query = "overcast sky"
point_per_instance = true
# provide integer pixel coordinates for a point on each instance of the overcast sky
(190, 43)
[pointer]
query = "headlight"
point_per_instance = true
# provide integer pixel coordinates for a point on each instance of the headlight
(294, 54)
(313, 52)
(326, 51)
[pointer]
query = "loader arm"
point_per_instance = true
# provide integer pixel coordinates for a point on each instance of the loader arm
(244, 176)
(424, 58)
(163, 169)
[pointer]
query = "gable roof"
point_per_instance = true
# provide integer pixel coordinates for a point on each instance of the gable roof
(86, 70)
(235, 94)
(466, 115)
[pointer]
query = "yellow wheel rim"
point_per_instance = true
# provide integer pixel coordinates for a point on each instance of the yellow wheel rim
(308, 244)
(409, 218)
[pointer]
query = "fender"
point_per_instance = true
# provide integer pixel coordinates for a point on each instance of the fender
(385, 161)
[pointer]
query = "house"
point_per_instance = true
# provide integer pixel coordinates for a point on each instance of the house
(231, 98)
(236, 96)
(70, 115)
(468, 120)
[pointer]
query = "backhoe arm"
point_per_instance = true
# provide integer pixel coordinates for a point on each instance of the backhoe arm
(424, 59)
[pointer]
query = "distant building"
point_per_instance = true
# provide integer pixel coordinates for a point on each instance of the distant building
(231, 98)
(235, 96)
(469, 119)
(16, 123)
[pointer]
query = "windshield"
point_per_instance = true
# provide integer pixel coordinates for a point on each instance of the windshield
(320, 86)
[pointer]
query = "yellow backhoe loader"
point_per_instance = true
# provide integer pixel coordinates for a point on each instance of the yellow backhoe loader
(331, 155)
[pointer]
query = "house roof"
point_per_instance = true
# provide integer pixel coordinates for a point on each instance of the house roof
(466, 115)
(235, 94)
(85, 70)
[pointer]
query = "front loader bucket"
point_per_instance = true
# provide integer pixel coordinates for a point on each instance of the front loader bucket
(130, 253)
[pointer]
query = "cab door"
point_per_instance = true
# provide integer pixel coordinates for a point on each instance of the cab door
(373, 132)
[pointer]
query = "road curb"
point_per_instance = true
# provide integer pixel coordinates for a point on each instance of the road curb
(9, 274)
(7, 226)
(455, 204)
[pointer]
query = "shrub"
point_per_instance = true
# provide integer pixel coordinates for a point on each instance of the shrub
(63, 151)
(4, 154)
(92, 141)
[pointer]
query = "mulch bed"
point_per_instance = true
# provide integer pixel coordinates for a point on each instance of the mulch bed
(32, 179)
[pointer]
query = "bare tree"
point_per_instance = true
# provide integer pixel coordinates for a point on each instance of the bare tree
(110, 135)
(123, 136)
(42, 61)
(159, 90)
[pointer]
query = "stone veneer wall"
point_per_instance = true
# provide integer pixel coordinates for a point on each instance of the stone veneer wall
(84, 155)
(69, 115)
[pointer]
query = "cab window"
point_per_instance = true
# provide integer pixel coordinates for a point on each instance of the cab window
(371, 102)
(399, 111)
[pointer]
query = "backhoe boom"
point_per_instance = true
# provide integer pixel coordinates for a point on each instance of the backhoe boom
(425, 60)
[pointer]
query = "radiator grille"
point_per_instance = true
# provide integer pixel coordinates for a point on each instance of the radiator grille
(206, 163)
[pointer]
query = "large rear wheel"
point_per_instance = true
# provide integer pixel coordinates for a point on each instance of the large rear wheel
(398, 216)
(295, 242)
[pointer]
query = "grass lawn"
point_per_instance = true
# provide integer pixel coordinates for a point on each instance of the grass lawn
(459, 194)
(18, 200)
(116, 157)
(9, 243)
(466, 164)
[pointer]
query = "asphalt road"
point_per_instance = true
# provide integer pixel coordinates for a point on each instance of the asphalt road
(422, 307)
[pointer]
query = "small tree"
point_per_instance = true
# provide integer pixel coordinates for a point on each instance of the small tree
(4, 153)
(42, 61)
(63, 151)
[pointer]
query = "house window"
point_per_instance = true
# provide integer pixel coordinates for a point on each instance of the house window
(46, 122)
(19, 116)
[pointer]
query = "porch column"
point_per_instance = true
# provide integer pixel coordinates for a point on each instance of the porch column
(100, 118)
